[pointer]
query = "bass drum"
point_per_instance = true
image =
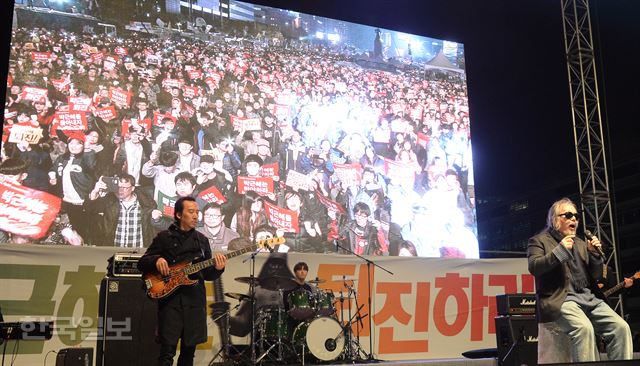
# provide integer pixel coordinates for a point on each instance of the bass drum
(321, 339)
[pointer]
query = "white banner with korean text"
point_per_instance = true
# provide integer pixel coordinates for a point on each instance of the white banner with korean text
(428, 308)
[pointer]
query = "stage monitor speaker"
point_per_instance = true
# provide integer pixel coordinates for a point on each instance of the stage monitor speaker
(517, 340)
(127, 326)
(75, 357)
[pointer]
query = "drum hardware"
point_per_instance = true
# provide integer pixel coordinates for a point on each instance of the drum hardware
(317, 281)
(370, 356)
(239, 297)
(276, 283)
(250, 280)
(274, 332)
(223, 351)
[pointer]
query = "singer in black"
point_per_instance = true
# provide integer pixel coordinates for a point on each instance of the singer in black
(183, 314)
(566, 269)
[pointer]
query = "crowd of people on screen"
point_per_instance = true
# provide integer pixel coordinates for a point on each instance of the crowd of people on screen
(280, 132)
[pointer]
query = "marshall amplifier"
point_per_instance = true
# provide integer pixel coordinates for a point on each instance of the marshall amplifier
(517, 340)
(124, 265)
(516, 304)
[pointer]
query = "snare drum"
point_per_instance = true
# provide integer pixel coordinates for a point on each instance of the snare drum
(272, 323)
(321, 339)
(324, 303)
(301, 304)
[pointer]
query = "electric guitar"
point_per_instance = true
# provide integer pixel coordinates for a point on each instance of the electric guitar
(620, 285)
(159, 286)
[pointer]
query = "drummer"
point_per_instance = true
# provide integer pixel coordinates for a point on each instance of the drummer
(300, 271)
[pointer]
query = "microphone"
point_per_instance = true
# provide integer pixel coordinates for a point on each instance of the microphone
(598, 247)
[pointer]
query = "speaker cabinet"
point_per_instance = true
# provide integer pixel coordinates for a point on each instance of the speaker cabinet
(517, 340)
(75, 357)
(127, 326)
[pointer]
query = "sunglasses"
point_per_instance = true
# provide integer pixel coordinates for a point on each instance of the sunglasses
(570, 215)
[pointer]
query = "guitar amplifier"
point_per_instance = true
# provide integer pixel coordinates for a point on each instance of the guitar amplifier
(516, 304)
(124, 265)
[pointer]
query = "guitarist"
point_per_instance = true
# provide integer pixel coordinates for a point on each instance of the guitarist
(182, 315)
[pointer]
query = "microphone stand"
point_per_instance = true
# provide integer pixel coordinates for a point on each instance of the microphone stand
(369, 264)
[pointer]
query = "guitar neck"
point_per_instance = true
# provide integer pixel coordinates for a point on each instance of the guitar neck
(613, 289)
(620, 285)
(197, 267)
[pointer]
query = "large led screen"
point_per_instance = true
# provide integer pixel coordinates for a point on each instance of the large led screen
(339, 137)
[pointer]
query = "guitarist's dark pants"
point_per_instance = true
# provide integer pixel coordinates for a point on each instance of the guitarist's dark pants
(167, 352)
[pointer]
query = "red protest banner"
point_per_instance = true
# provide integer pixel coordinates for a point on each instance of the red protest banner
(79, 104)
(281, 218)
(166, 204)
(33, 94)
(110, 63)
(107, 113)
(236, 122)
(195, 74)
(212, 194)
(270, 170)
(121, 51)
(70, 121)
(260, 185)
(190, 91)
(97, 57)
(211, 83)
(422, 139)
(40, 56)
(399, 172)
(297, 180)
(120, 97)
(25, 211)
(348, 174)
(330, 204)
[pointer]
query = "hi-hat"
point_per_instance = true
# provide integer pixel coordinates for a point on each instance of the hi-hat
(317, 281)
(278, 283)
(237, 296)
(248, 280)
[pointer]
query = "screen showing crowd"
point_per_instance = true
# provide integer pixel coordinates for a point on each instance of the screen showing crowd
(338, 136)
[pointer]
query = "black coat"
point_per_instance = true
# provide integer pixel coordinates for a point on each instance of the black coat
(183, 313)
(553, 276)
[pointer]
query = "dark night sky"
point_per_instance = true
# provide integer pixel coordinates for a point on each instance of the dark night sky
(518, 90)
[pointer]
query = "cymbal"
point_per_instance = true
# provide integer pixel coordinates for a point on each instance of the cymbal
(317, 281)
(237, 296)
(278, 283)
(248, 280)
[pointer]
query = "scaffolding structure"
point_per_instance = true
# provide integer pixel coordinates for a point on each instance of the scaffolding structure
(593, 173)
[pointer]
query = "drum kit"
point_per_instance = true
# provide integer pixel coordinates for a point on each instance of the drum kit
(310, 331)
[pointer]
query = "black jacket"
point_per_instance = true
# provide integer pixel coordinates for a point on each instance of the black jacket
(184, 312)
(553, 276)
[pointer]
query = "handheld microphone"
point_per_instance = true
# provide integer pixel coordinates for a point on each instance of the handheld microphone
(590, 236)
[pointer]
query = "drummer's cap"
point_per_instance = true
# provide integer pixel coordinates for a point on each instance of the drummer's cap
(301, 265)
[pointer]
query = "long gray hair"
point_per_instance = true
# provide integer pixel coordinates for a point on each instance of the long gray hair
(553, 211)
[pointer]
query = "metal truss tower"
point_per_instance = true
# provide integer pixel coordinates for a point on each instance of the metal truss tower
(593, 174)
